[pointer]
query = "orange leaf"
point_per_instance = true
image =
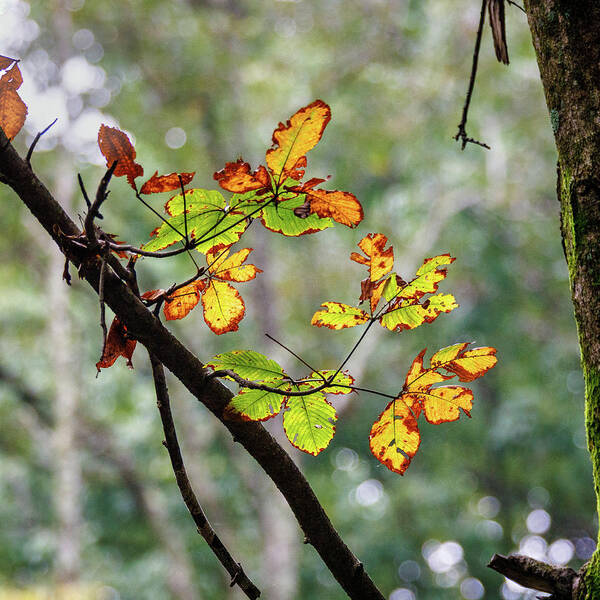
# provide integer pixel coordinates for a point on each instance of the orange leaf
(118, 343)
(115, 145)
(223, 307)
(236, 177)
(12, 112)
(182, 301)
(165, 183)
(342, 207)
(231, 268)
(293, 140)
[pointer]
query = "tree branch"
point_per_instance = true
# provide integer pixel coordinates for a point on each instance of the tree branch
(536, 575)
(149, 331)
(185, 487)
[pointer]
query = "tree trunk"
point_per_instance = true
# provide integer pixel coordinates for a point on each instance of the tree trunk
(566, 38)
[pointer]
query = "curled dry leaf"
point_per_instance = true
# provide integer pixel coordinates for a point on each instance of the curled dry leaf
(165, 183)
(116, 146)
(118, 343)
(13, 110)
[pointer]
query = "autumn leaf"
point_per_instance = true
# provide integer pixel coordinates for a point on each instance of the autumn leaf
(165, 183)
(293, 140)
(309, 422)
(339, 316)
(185, 299)
(395, 436)
(223, 307)
(13, 110)
(118, 343)
(115, 146)
(379, 260)
(231, 268)
(237, 177)
(281, 218)
(210, 225)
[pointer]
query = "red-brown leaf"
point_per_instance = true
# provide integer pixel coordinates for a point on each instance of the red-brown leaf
(237, 177)
(115, 145)
(118, 343)
(165, 183)
(12, 112)
(5, 62)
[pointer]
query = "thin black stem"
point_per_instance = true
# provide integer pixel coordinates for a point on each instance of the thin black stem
(137, 195)
(102, 305)
(187, 241)
(36, 139)
(238, 577)
(101, 195)
(462, 131)
(295, 355)
(360, 339)
(517, 5)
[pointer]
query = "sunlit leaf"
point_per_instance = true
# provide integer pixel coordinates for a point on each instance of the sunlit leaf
(281, 218)
(409, 314)
(115, 145)
(294, 139)
(428, 277)
(340, 383)
(183, 301)
(248, 365)
(118, 343)
(308, 422)
(342, 207)
(223, 307)
(209, 224)
(339, 316)
(231, 268)
(255, 405)
(238, 177)
(395, 436)
(165, 183)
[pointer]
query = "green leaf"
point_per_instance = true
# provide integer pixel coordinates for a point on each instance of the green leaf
(409, 314)
(280, 218)
(339, 316)
(256, 405)
(248, 203)
(249, 365)
(207, 219)
(341, 379)
(308, 422)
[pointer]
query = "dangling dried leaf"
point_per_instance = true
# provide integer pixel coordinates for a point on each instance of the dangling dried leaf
(165, 183)
(13, 110)
(118, 343)
(115, 145)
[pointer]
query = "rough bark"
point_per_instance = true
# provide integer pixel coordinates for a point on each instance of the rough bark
(149, 331)
(566, 38)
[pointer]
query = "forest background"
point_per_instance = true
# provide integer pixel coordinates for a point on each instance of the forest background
(87, 497)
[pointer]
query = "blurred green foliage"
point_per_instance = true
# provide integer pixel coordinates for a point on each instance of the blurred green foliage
(200, 82)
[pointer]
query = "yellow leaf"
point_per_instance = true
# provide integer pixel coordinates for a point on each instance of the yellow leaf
(230, 268)
(339, 316)
(223, 307)
(294, 139)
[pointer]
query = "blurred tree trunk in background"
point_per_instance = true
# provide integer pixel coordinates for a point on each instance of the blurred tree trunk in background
(566, 37)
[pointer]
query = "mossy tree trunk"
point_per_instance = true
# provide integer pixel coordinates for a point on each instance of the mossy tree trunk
(566, 37)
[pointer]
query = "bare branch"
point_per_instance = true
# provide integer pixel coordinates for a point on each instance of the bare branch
(36, 139)
(238, 577)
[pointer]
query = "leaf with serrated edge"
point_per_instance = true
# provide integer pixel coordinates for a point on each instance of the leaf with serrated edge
(378, 259)
(308, 422)
(231, 268)
(471, 364)
(339, 316)
(248, 365)
(395, 437)
(223, 307)
(255, 405)
(342, 379)
(342, 207)
(280, 218)
(409, 314)
(237, 177)
(428, 277)
(293, 140)
(182, 301)
(165, 183)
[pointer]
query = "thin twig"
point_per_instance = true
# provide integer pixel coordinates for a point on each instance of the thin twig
(137, 195)
(187, 241)
(36, 139)
(360, 339)
(101, 195)
(238, 577)
(295, 355)
(102, 306)
(517, 5)
(462, 131)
